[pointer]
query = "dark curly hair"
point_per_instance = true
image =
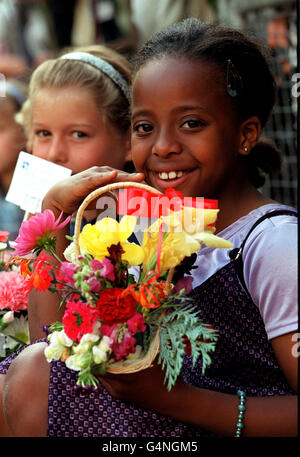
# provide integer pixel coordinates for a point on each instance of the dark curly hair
(244, 64)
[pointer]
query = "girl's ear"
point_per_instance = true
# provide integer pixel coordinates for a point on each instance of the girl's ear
(250, 133)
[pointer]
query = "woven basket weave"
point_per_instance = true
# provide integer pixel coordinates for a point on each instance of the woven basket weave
(145, 360)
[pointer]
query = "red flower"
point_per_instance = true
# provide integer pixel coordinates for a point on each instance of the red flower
(3, 236)
(78, 319)
(40, 278)
(115, 308)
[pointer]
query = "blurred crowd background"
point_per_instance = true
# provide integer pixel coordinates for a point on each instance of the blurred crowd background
(34, 30)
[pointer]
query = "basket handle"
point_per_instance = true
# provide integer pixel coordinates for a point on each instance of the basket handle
(97, 193)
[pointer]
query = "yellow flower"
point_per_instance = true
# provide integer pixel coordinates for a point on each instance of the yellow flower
(95, 239)
(186, 231)
(175, 246)
(198, 224)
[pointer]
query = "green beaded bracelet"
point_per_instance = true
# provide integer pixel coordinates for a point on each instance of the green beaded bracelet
(241, 411)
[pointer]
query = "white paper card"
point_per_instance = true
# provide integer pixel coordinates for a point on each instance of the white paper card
(32, 179)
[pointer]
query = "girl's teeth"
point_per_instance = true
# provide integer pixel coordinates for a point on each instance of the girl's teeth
(170, 175)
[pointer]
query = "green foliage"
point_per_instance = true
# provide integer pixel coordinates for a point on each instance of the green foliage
(174, 326)
(56, 327)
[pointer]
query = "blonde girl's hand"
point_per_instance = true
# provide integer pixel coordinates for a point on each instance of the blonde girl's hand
(67, 194)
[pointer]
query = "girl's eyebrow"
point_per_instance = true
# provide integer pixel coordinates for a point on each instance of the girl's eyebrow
(145, 112)
(76, 124)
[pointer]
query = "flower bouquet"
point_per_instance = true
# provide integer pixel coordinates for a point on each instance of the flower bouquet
(121, 308)
(14, 292)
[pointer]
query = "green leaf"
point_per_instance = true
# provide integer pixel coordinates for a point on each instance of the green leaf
(173, 327)
(56, 327)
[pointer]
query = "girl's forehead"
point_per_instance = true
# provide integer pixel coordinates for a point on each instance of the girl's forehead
(178, 77)
(170, 69)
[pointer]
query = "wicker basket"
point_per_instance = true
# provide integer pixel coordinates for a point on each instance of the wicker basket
(145, 360)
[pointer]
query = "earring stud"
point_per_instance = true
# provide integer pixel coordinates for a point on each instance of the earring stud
(245, 149)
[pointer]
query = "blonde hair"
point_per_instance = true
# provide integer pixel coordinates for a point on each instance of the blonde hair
(59, 73)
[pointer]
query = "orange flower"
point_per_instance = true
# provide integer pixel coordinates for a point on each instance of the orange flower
(23, 264)
(149, 293)
(40, 278)
(24, 268)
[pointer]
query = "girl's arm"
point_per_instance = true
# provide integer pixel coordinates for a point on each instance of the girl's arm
(66, 197)
(215, 411)
(26, 413)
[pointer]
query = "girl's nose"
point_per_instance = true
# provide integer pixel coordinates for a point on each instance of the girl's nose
(166, 144)
(57, 151)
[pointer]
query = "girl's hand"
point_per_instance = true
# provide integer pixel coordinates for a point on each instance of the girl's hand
(67, 194)
(146, 389)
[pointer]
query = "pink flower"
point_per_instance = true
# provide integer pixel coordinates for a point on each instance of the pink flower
(126, 347)
(94, 284)
(35, 233)
(105, 267)
(67, 270)
(137, 322)
(14, 290)
(96, 264)
(108, 330)
(121, 349)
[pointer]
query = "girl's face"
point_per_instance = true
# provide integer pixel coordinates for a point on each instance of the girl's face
(185, 134)
(69, 130)
(12, 138)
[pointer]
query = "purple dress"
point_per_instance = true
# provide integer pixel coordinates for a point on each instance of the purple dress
(243, 359)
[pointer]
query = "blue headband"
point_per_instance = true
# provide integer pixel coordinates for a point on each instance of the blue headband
(103, 66)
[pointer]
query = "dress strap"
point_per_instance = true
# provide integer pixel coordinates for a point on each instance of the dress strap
(236, 253)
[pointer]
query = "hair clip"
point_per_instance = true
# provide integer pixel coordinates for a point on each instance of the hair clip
(234, 81)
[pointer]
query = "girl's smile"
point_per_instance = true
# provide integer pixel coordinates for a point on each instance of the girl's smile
(180, 136)
(174, 178)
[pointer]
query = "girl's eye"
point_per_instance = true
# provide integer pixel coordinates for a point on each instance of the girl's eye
(42, 133)
(193, 124)
(79, 134)
(142, 127)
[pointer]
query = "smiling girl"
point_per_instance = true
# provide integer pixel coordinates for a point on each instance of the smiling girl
(201, 96)
(77, 112)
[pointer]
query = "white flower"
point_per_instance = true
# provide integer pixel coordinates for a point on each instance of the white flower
(60, 338)
(89, 337)
(105, 343)
(58, 342)
(19, 329)
(8, 317)
(137, 354)
(102, 350)
(77, 361)
(82, 347)
(2, 246)
(70, 254)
